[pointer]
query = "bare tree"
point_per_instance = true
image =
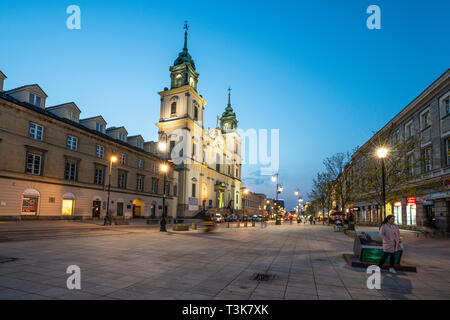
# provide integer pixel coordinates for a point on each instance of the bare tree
(339, 173)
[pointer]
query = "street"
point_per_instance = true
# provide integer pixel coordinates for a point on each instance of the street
(139, 262)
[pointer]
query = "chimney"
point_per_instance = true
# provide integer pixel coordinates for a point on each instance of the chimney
(2, 79)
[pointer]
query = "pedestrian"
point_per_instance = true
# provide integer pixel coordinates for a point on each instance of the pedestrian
(390, 233)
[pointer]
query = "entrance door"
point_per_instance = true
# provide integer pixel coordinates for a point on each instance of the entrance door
(136, 211)
(96, 205)
(120, 209)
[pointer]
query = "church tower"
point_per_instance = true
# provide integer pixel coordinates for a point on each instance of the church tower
(183, 72)
(228, 121)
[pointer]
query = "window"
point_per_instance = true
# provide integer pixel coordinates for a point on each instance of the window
(229, 170)
(34, 163)
(154, 167)
(426, 119)
(167, 189)
(171, 146)
(35, 131)
(173, 108)
(123, 158)
(195, 113)
(446, 105)
(121, 136)
(99, 175)
(73, 116)
(447, 147)
(122, 180)
(140, 183)
(100, 152)
(99, 127)
(409, 130)
(139, 144)
(237, 173)
(411, 214)
(175, 190)
(411, 164)
(70, 170)
(140, 164)
(397, 136)
(204, 156)
(427, 156)
(193, 150)
(398, 212)
(35, 100)
(72, 143)
(217, 162)
(193, 190)
(154, 185)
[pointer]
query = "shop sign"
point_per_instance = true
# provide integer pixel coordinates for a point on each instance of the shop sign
(428, 203)
(411, 200)
(397, 204)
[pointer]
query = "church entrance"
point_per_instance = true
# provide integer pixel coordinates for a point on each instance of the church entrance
(221, 195)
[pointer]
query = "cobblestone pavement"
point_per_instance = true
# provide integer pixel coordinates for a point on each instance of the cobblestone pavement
(136, 262)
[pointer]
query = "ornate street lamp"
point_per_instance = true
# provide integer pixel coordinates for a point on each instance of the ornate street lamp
(108, 219)
(382, 153)
(162, 146)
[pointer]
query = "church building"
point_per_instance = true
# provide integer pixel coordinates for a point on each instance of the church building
(208, 160)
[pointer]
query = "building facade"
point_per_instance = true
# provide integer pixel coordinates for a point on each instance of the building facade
(254, 203)
(55, 165)
(426, 118)
(208, 161)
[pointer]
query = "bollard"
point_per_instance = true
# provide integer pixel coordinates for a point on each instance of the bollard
(238, 225)
(253, 223)
(228, 224)
(194, 226)
(245, 224)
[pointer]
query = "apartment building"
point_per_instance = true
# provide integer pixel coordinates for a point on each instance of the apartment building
(54, 165)
(426, 118)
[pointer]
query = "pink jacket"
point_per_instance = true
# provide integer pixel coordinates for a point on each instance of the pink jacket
(391, 237)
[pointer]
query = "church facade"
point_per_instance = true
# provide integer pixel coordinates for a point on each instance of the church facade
(208, 161)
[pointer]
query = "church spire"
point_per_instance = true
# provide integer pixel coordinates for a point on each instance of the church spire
(186, 28)
(229, 96)
(183, 72)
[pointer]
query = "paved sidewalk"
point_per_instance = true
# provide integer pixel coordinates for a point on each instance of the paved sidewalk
(143, 263)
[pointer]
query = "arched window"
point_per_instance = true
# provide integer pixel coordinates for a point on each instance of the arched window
(173, 108)
(217, 162)
(195, 113)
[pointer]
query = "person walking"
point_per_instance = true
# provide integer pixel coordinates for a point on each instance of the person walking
(390, 233)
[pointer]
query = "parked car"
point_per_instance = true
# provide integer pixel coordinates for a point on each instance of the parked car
(245, 218)
(254, 217)
(259, 218)
(218, 217)
(232, 218)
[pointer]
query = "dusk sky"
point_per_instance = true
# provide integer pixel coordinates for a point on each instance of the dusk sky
(311, 69)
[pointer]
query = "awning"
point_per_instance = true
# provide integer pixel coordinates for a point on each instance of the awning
(337, 213)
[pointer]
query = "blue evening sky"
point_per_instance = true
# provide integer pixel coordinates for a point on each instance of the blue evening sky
(311, 69)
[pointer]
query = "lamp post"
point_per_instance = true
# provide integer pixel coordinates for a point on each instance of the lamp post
(382, 153)
(113, 159)
(162, 146)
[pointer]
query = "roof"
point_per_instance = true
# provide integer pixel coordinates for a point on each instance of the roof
(135, 136)
(64, 105)
(91, 118)
(26, 87)
(3, 75)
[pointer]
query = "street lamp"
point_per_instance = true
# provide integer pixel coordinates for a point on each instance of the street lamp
(113, 159)
(382, 153)
(162, 146)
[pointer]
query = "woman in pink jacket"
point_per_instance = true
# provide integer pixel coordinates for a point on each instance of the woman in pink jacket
(390, 234)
